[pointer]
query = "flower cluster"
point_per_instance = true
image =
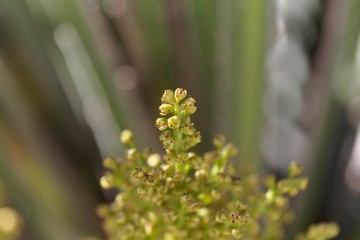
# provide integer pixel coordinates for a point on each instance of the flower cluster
(183, 195)
(179, 133)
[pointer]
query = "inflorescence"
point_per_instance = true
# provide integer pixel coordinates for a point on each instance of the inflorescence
(183, 195)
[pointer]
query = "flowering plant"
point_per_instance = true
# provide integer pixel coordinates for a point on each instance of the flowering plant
(185, 195)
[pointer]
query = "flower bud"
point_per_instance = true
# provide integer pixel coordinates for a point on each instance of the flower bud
(295, 169)
(161, 124)
(119, 200)
(188, 106)
(229, 150)
(131, 153)
(193, 140)
(236, 233)
(270, 181)
(109, 162)
(126, 136)
(106, 181)
(165, 109)
(281, 202)
(190, 110)
(188, 129)
(165, 135)
(270, 195)
(174, 122)
(153, 160)
(169, 143)
(203, 212)
(168, 97)
(180, 94)
(103, 211)
(205, 198)
(219, 141)
(189, 102)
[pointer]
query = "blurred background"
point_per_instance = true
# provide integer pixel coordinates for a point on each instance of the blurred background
(280, 78)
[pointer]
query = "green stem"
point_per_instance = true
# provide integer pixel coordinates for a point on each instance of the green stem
(177, 133)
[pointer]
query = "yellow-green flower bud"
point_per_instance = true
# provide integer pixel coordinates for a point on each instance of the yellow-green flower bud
(219, 141)
(270, 195)
(191, 141)
(153, 160)
(165, 135)
(236, 233)
(109, 162)
(188, 106)
(189, 102)
(126, 136)
(168, 97)
(103, 211)
(188, 129)
(174, 122)
(131, 153)
(161, 124)
(295, 169)
(205, 198)
(180, 94)
(106, 181)
(153, 218)
(165, 109)
(270, 181)
(281, 202)
(321, 231)
(119, 199)
(229, 150)
(203, 212)
(169, 143)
